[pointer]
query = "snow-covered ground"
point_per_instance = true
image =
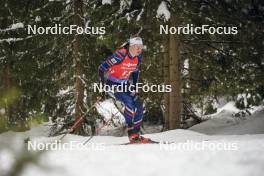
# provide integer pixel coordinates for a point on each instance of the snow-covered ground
(224, 122)
(234, 147)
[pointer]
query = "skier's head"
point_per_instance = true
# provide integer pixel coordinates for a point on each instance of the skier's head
(135, 45)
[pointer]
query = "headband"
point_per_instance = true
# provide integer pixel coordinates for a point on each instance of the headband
(135, 41)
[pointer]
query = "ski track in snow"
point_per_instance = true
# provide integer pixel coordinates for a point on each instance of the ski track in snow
(149, 159)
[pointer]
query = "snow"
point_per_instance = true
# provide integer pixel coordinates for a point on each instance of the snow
(63, 92)
(242, 155)
(225, 123)
(37, 19)
(2, 111)
(163, 11)
(186, 67)
(13, 27)
(139, 16)
(112, 116)
(17, 25)
(124, 4)
(107, 109)
(222, 105)
(106, 2)
(9, 40)
(230, 107)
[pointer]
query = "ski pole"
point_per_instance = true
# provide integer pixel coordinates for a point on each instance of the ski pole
(100, 128)
(80, 119)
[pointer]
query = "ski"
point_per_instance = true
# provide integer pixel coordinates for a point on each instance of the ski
(149, 141)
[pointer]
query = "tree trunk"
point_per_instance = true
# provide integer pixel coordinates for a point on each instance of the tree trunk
(79, 88)
(7, 84)
(166, 75)
(174, 79)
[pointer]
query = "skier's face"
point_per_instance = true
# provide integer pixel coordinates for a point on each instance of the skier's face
(136, 49)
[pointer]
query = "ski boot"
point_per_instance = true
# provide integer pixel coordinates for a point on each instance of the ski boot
(137, 139)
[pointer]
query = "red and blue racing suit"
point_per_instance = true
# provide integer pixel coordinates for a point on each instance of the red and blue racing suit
(118, 69)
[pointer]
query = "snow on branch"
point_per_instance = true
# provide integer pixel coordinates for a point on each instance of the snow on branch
(13, 27)
(163, 11)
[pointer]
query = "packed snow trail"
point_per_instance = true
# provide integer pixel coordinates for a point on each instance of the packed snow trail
(103, 156)
(148, 159)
